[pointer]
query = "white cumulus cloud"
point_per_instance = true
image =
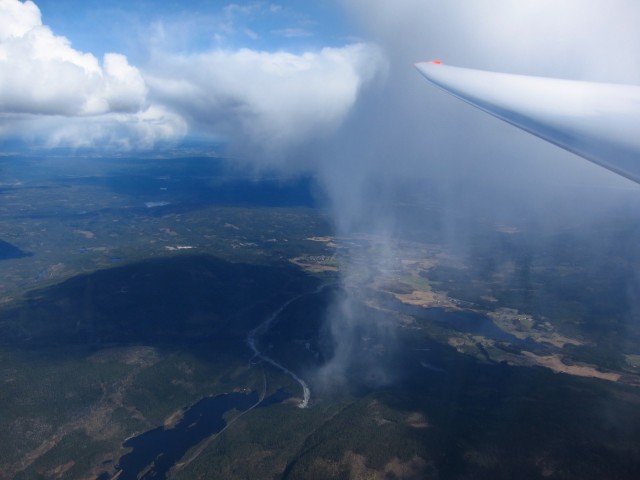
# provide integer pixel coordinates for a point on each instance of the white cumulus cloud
(53, 95)
(275, 101)
(144, 130)
(272, 99)
(43, 74)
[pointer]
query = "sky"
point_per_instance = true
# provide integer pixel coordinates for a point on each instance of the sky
(326, 89)
(286, 84)
(282, 76)
(142, 75)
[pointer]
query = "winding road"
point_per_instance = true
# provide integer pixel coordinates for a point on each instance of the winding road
(263, 328)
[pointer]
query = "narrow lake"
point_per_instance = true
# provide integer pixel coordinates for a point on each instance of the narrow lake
(156, 451)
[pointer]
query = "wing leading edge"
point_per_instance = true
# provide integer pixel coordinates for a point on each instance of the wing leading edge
(598, 121)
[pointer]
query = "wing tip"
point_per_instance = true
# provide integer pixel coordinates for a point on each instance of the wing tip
(429, 62)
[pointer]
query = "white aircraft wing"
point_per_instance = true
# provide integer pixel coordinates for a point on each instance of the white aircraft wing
(598, 121)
